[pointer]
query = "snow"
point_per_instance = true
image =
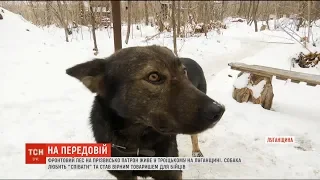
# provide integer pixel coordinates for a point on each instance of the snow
(257, 89)
(242, 81)
(40, 103)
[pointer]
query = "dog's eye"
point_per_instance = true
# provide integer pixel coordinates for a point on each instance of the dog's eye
(185, 71)
(154, 77)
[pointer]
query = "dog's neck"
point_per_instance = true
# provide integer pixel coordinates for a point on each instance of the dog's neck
(121, 132)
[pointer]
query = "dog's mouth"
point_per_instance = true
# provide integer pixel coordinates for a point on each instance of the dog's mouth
(167, 130)
(162, 123)
(213, 124)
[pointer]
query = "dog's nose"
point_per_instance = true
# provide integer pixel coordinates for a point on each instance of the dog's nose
(213, 112)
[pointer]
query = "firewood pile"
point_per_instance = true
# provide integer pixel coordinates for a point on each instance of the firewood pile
(199, 28)
(307, 60)
(213, 25)
(253, 88)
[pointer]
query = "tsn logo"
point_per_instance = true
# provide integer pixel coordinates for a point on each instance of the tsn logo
(35, 154)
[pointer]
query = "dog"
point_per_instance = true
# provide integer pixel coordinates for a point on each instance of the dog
(196, 76)
(143, 100)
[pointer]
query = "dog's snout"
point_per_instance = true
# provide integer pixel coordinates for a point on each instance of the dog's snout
(213, 112)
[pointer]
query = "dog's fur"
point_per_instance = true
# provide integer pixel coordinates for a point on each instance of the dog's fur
(144, 99)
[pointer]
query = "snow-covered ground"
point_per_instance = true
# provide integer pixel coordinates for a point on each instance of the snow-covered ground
(40, 103)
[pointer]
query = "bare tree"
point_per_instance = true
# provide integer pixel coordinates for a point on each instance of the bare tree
(179, 18)
(254, 15)
(93, 24)
(206, 19)
(223, 8)
(60, 15)
(266, 15)
(146, 14)
(129, 22)
(240, 10)
(163, 15)
(249, 11)
(309, 21)
(33, 9)
(174, 29)
(276, 16)
(48, 14)
(116, 16)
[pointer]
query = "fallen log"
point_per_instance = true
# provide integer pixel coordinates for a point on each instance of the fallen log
(151, 37)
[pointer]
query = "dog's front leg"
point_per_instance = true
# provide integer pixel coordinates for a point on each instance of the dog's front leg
(195, 146)
(180, 177)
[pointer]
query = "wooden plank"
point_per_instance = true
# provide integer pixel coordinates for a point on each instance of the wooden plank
(282, 78)
(310, 84)
(295, 81)
(310, 79)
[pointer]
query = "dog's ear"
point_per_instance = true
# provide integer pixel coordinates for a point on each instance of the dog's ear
(91, 74)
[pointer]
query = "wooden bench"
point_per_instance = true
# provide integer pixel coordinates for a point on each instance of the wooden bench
(295, 77)
(263, 73)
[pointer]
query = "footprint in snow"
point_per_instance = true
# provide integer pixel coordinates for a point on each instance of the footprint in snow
(303, 144)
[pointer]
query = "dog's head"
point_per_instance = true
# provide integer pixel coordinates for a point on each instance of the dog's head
(149, 85)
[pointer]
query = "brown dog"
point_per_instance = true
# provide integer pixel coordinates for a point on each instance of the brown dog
(143, 100)
(196, 76)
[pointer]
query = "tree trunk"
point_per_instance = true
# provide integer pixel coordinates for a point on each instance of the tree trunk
(254, 16)
(93, 23)
(249, 12)
(206, 19)
(34, 13)
(146, 14)
(66, 33)
(179, 18)
(162, 18)
(116, 21)
(129, 22)
(267, 22)
(65, 11)
(240, 8)
(82, 13)
(309, 21)
(223, 8)
(174, 29)
(48, 15)
(266, 15)
(275, 18)
(61, 19)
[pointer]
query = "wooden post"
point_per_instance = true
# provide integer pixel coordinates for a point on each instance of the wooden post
(116, 19)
